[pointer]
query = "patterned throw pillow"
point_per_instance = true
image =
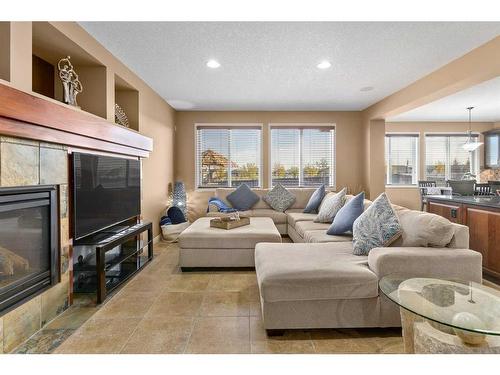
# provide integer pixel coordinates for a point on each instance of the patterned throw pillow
(279, 198)
(330, 206)
(243, 198)
(378, 226)
(315, 200)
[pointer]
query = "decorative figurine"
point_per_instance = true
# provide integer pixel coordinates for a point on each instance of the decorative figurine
(71, 85)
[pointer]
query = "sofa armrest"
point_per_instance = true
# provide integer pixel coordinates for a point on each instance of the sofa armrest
(464, 264)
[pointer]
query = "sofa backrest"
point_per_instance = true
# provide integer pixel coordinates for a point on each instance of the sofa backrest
(302, 196)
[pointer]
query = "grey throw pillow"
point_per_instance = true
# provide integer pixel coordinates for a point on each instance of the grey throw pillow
(279, 198)
(378, 226)
(243, 198)
(330, 206)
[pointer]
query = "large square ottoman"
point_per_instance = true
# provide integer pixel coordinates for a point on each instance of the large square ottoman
(204, 246)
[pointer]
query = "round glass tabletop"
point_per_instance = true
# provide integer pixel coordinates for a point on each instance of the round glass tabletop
(463, 305)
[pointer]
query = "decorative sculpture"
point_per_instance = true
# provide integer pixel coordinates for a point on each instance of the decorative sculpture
(71, 85)
(120, 116)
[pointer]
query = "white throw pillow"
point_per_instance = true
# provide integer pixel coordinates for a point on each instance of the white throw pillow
(422, 229)
(331, 204)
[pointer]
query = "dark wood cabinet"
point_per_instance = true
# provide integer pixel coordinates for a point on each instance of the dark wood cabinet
(484, 228)
(453, 212)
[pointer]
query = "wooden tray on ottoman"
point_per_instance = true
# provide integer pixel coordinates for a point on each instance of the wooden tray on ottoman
(226, 223)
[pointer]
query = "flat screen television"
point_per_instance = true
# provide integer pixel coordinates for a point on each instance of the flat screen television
(106, 191)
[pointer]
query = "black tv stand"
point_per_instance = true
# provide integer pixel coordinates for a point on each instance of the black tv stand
(112, 257)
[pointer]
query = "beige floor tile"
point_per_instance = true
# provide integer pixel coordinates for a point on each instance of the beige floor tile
(176, 304)
(146, 284)
(160, 335)
(255, 309)
(126, 307)
(391, 345)
(100, 336)
(232, 282)
(283, 347)
(220, 335)
(187, 283)
(224, 304)
(258, 333)
(346, 346)
(72, 318)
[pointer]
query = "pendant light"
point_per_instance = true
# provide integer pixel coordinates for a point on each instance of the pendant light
(469, 145)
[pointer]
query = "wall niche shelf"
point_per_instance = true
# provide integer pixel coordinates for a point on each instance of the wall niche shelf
(5, 51)
(127, 97)
(49, 45)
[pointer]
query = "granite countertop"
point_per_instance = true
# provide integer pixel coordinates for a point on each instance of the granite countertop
(484, 201)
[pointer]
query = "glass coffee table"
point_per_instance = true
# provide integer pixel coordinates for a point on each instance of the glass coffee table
(445, 316)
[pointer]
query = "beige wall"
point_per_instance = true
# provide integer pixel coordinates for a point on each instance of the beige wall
(409, 196)
(156, 117)
(349, 144)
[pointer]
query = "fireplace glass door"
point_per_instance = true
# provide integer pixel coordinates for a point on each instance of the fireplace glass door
(27, 243)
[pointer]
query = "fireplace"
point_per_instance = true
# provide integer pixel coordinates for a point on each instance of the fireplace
(28, 243)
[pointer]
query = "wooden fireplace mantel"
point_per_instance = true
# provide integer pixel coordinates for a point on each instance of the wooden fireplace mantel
(27, 116)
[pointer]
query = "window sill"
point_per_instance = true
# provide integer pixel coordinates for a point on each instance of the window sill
(401, 186)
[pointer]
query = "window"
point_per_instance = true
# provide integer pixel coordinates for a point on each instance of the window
(227, 156)
(445, 159)
(303, 155)
(401, 159)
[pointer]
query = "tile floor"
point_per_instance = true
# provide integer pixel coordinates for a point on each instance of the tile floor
(163, 310)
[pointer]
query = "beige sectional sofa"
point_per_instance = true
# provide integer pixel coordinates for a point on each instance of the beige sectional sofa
(317, 282)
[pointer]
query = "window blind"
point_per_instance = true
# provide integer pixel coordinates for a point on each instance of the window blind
(445, 158)
(303, 155)
(401, 159)
(228, 156)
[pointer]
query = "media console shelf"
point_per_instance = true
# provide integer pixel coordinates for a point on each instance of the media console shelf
(109, 258)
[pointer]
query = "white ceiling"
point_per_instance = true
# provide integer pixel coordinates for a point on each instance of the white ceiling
(485, 98)
(272, 65)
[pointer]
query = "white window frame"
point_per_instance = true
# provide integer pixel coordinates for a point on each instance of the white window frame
(227, 125)
(449, 134)
(417, 134)
(302, 125)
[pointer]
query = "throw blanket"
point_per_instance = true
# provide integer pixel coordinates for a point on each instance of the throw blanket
(220, 205)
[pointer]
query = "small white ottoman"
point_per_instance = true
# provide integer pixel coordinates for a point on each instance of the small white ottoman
(204, 246)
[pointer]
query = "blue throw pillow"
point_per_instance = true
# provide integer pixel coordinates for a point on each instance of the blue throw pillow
(243, 198)
(343, 221)
(315, 200)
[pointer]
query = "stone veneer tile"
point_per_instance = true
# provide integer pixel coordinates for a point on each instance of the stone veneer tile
(1, 335)
(63, 200)
(55, 300)
(53, 166)
(19, 141)
(21, 323)
(19, 164)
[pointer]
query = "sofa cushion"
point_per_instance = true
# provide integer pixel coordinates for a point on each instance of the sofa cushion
(295, 217)
(278, 217)
(330, 206)
(317, 236)
(343, 221)
(423, 229)
(243, 198)
(315, 200)
(302, 196)
(279, 198)
(295, 272)
(303, 226)
(378, 226)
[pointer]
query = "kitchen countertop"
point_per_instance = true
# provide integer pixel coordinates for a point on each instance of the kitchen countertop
(484, 201)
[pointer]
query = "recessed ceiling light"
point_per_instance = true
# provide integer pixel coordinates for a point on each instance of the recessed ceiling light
(214, 64)
(324, 64)
(367, 88)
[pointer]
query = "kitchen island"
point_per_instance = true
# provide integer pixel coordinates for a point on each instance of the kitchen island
(482, 215)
